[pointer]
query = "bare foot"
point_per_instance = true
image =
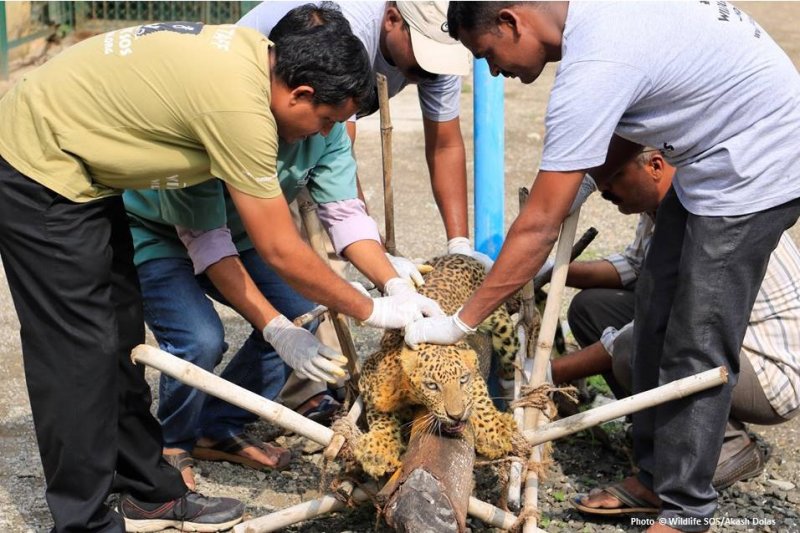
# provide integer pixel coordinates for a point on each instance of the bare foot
(187, 473)
(600, 499)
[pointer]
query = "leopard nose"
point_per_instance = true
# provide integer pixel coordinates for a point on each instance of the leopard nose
(458, 415)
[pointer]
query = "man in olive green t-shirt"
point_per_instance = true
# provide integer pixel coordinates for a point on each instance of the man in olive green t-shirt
(160, 106)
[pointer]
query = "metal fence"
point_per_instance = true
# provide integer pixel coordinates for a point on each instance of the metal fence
(47, 18)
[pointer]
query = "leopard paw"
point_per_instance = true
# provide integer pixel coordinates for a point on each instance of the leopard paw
(378, 455)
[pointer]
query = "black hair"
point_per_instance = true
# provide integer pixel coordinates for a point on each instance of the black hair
(474, 15)
(315, 46)
(310, 16)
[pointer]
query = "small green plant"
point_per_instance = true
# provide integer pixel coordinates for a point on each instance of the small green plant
(559, 496)
(599, 384)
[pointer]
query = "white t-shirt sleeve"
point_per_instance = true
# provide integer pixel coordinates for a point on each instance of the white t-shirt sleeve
(440, 98)
(586, 104)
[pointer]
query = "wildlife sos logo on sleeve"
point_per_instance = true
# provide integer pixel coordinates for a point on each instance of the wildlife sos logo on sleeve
(192, 28)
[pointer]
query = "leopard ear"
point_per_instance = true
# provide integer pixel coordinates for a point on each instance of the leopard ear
(408, 360)
(469, 357)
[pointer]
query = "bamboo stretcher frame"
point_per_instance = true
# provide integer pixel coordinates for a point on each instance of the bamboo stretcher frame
(532, 421)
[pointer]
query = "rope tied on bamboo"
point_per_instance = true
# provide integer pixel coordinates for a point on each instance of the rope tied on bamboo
(524, 515)
(539, 397)
(349, 430)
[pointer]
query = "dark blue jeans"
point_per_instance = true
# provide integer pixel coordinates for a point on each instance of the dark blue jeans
(182, 318)
(693, 302)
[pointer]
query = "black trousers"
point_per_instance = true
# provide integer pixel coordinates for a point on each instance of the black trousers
(70, 270)
(693, 303)
(592, 311)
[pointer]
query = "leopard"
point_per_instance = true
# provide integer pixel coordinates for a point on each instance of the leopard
(444, 379)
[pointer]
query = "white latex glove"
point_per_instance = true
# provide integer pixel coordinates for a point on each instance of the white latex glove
(301, 350)
(437, 330)
(461, 245)
(398, 310)
(406, 269)
(588, 186)
(399, 287)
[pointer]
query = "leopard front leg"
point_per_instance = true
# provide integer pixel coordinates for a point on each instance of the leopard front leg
(494, 431)
(380, 448)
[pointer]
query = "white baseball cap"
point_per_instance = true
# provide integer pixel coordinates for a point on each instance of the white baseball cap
(434, 49)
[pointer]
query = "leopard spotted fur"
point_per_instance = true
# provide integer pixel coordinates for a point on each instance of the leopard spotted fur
(443, 379)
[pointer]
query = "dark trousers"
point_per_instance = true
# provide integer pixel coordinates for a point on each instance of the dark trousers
(592, 311)
(693, 302)
(70, 270)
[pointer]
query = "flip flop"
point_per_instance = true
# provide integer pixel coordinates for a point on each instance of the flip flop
(631, 504)
(180, 461)
(228, 450)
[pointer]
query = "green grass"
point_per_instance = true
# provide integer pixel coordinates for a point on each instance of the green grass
(599, 384)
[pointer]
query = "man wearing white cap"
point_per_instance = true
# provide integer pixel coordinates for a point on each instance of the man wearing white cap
(409, 43)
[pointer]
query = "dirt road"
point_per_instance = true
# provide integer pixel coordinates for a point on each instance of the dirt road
(580, 463)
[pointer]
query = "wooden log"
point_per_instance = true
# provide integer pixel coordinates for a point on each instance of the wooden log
(541, 358)
(386, 160)
(216, 386)
(432, 492)
(671, 391)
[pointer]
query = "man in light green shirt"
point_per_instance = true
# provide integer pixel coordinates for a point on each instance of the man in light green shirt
(163, 105)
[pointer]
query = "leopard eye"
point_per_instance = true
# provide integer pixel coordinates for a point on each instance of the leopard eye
(465, 378)
(431, 385)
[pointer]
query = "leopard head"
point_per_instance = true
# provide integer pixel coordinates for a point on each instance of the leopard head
(441, 379)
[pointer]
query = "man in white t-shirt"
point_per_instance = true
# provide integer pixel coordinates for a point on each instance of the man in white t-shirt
(706, 85)
(408, 42)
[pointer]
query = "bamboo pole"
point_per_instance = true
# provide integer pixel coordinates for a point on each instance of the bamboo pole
(338, 441)
(305, 318)
(301, 512)
(526, 310)
(671, 391)
(329, 503)
(216, 386)
(308, 212)
(541, 358)
(386, 159)
(580, 245)
(513, 496)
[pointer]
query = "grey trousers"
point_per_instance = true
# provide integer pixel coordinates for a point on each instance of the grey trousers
(693, 302)
(749, 403)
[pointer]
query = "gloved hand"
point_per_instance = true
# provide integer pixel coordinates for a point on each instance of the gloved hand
(461, 245)
(398, 310)
(406, 269)
(398, 287)
(301, 350)
(437, 330)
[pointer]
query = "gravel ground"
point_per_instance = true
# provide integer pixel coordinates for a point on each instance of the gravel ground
(770, 502)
